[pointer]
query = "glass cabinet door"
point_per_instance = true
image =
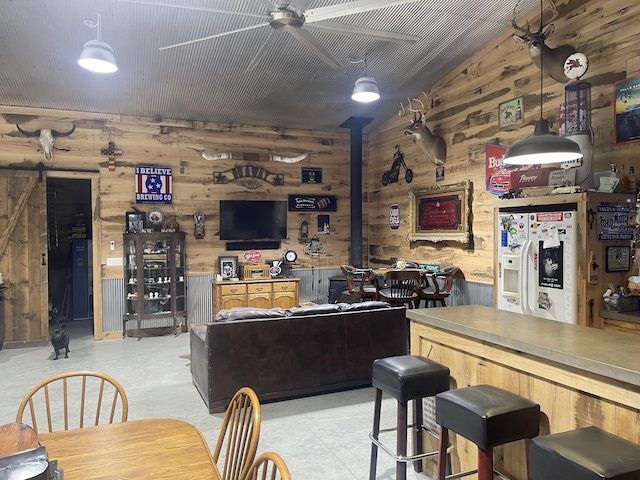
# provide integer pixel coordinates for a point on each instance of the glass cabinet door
(156, 257)
(180, 280)
(131, 277)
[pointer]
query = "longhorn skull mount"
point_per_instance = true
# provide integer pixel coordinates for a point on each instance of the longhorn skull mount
(45, 137)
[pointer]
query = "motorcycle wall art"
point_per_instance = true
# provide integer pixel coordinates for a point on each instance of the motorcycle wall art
(392, 175)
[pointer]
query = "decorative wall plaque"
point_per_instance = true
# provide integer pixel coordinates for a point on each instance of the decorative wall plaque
(325, 203)
(251, 172)
(311, 175)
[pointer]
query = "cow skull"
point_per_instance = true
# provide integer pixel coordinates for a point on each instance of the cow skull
(45, 137)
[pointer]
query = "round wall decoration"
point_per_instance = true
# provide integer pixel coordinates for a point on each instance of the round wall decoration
(155, 217)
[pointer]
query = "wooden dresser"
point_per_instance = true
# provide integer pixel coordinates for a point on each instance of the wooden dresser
(256, 293)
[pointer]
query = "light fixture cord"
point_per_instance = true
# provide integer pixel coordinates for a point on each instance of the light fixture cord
(541, 59)
(365, 64)
(98, 26)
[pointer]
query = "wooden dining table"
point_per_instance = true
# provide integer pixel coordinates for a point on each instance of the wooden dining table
(141, 449)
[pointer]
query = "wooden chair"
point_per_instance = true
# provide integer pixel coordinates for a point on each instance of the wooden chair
(400, 287)
(440, 287)
(239, 435)
(268, 466)
(83, 398)
(17, 437)
(359, 282)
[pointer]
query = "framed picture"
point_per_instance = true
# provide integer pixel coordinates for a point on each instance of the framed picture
(228, 267)
(440, 212)
(627, 110)
(511, 112)
(134, 222)
(618, 259)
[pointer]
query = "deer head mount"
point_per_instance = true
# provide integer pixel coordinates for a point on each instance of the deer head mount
(432, 145)
(554, 58)
(46, 139)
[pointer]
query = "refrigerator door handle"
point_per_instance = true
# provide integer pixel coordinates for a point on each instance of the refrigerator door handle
(524, 276)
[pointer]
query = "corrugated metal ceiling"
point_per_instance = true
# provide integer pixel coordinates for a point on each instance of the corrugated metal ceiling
(40, 41)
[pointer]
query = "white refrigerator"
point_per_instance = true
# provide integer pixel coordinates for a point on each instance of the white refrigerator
(537, 264)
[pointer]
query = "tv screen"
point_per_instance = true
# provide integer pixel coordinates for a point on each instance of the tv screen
(253, 219)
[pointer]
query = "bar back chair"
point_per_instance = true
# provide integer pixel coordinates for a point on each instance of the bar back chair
(439, 288)
(239, 435)
(268, 466)
(74, 400)
(400, 287)
(359, 282)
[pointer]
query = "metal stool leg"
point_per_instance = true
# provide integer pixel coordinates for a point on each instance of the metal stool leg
(376, 432)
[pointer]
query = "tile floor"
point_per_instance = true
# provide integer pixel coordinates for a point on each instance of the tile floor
(323, 437)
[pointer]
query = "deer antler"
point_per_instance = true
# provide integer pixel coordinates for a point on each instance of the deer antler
(513, 21)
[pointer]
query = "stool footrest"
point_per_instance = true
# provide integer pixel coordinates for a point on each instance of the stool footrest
(399, 458)
(471, 472)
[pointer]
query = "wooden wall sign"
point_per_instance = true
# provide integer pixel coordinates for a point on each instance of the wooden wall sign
(440, 213)
(250, 171)
(153, 184)
(325, 203)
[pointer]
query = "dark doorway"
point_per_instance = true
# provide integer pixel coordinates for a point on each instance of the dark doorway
(69, 239)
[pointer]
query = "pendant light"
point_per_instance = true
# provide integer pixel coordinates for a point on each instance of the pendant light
(97, 56)
(366, 89)
(542, 147)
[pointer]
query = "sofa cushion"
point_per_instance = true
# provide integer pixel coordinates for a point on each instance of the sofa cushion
(370, 305)
(313, 309)
(244, 313)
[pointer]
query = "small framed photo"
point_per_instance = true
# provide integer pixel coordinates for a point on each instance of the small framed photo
(618, 259)
(228, 267)
(134, 222)
(511, 112)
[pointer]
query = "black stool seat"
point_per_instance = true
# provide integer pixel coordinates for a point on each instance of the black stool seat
(584, 454)
(407, 377)
(488, 416)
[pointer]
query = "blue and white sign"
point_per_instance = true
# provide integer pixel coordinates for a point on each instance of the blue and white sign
(153, 185)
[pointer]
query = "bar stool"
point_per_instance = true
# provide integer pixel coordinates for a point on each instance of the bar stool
(584, 454)
(487, 416)
(405, 377)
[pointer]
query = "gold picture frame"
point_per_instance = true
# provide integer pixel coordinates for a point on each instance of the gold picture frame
(511, 112)
(440, 213)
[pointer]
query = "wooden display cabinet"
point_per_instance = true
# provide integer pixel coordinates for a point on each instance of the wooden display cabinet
(255, 293)
(154, 278)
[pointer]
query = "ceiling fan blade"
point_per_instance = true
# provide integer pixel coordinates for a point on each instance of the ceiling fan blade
(267, 4)
(201, 9)
(312, 44)
(358, 6)
(363, 32)
(300, 6)
(262, 50)
(243, 29)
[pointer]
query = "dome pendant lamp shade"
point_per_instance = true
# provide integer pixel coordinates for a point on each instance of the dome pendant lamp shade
(366, 90)
(542, 147)
(97, 56)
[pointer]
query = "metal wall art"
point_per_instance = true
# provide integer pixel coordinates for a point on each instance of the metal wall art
(440, 213)
(392, 175)
(253, 173)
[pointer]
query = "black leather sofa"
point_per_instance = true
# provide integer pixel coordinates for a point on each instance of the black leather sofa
(295, 352)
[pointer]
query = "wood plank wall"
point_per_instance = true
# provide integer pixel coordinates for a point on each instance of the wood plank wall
(146, 142)
(465, 113)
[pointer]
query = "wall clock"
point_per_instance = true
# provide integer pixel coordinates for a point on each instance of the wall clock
(290, 256)
(155, 217)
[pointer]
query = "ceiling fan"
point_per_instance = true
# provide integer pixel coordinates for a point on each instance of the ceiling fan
(295, 17)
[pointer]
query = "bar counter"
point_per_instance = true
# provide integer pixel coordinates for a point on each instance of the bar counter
(580, 376)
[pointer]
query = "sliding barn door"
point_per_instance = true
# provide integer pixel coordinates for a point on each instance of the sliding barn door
(23, 250)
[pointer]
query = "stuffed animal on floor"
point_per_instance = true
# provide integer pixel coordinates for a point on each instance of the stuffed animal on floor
(60, 340)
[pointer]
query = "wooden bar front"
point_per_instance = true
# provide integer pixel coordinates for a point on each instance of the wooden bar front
(580, 376)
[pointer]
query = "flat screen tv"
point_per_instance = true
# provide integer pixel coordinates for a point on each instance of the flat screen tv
(253, 219)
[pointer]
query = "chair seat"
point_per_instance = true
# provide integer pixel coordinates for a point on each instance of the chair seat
(584, 454)
(488, 416)
(407, 377)
(388, 293)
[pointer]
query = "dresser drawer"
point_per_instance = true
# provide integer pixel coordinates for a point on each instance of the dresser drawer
(238, 289)
(284, 286)
(259, 287)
